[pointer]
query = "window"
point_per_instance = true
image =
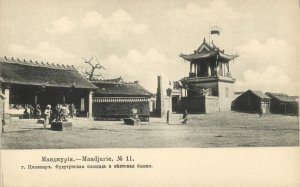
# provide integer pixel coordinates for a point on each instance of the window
(226, 92)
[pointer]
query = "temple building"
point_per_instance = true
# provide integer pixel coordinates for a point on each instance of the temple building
(25, 83)
(209, 86)
(114, 99)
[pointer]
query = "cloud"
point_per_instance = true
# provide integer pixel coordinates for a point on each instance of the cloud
(145, 67)
(271, 80)
(270, 66)
(272, 51)
(42, 51)
(61, 26)
(193, 14)
(113, 27)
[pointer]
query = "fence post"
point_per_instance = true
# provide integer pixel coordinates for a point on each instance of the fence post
(2, 124)
(168, 116)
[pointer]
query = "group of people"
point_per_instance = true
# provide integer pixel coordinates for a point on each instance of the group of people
(61, 112)
(32, 112)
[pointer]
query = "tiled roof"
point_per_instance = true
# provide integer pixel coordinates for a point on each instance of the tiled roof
(108, 81)
(39, 73)
(121, 89)
(259, 94)
(207, 50)
(281, 97)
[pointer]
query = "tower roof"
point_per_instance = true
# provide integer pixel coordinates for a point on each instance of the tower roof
(206, 50)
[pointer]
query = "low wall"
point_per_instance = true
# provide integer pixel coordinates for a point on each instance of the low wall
(193, 105)
(119, 110)
(201, 104)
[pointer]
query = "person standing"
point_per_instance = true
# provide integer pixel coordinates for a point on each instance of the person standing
(260, 111)
(31, 111)
(47, 114)
(26, 114)
(38, 111)
(72, 110)
(185, 117)
(64, 112)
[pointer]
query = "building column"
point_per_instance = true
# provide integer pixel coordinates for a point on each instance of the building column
(191, 66)
(6, 101)
(90, 104)
(228, 70)
(64, 99)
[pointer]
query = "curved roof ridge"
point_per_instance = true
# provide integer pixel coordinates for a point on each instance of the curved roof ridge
(37, 63)
(206, 50)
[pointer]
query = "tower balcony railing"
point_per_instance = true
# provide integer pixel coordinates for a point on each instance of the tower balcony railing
(194, 78)
(214, 74)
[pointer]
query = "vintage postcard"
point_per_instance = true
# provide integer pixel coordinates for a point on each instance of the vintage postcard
(149, 93)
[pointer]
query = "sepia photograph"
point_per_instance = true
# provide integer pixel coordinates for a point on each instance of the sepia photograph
(149, 93)
(140, 74)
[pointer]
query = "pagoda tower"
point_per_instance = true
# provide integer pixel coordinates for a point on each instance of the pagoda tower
(209, 86)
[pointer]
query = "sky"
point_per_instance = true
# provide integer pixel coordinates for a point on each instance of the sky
(139, 40)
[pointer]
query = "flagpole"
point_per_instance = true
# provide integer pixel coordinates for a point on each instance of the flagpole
(209, 34)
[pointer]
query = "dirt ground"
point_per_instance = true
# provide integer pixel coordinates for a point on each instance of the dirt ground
(225, 129)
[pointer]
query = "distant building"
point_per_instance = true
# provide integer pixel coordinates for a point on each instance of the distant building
(252, 101)
(114, 99)
(283, 104)
(209, 86)
(30, 82)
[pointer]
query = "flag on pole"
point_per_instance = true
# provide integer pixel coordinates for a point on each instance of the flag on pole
(215, 30)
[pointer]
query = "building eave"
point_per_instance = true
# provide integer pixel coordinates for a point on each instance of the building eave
(210, 79)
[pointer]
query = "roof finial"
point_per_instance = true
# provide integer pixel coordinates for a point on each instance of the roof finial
(5, 57)
(204, 40)
(12, 58)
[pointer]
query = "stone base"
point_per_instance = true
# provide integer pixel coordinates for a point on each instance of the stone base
(131, 121)
(41, 121)
(60, 126)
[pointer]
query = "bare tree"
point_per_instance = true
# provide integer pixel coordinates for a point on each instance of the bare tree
(91, 75)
